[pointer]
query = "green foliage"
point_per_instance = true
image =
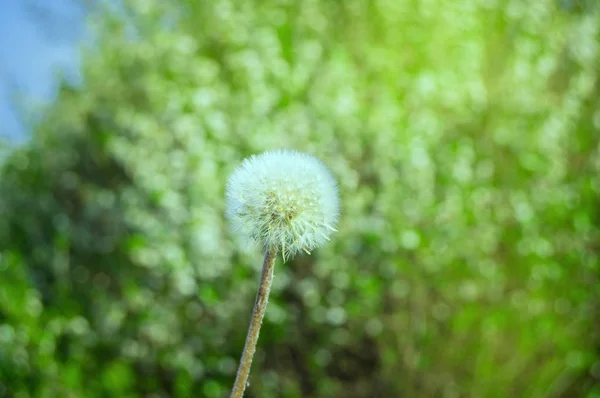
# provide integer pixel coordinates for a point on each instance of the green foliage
(464, 137)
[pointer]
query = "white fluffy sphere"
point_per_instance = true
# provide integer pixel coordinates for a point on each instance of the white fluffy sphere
(284, 199)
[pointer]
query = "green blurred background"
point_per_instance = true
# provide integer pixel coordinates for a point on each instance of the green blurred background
(465, 138)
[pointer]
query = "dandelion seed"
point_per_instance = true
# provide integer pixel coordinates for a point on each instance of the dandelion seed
(284, 199)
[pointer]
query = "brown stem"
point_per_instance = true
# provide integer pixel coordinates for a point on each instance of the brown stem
(260, 305)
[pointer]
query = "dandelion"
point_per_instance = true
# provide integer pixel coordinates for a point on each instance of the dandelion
(283, 200)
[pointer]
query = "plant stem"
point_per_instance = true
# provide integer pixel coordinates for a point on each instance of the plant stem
(260, 305)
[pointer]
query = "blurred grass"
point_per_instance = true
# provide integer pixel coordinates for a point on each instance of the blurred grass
(463, 135)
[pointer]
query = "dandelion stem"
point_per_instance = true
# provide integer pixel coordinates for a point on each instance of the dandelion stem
(260, 305)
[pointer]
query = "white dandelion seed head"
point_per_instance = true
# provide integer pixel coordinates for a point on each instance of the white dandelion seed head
(283, 199)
